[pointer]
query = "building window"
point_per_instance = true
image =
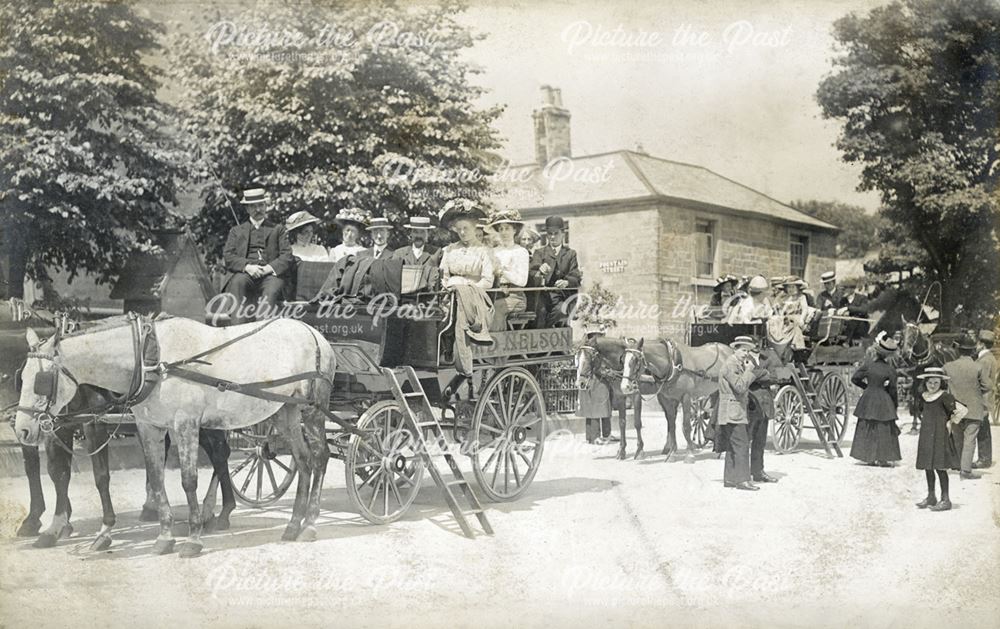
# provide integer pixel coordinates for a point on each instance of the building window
(704, 233)
(799, 250)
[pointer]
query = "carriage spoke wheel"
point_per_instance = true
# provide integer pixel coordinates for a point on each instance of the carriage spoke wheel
(383, 469)
(832, 397)
(788, 415)
(508, 434)
(703, 409)
(260, 464)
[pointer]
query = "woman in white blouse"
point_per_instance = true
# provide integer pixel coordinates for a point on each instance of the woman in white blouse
(511, 270)
(300, 232)
(467, 269)
(352, 223)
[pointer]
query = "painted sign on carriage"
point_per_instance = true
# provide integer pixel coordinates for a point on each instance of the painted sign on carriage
(517, 342)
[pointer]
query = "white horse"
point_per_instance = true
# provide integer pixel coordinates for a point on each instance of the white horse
(284, 360)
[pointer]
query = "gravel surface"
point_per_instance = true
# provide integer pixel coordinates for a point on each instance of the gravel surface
(594, 541)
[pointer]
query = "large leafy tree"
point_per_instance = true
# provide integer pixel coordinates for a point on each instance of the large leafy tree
(859, 230)
(917, 88)
(87, 168)
(331, 106)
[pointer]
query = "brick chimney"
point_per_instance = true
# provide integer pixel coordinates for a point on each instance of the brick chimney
(551, 127)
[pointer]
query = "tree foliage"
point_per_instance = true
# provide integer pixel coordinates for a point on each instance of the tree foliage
(87, 166)
(357, 105)
(859, 229)
(916, 88)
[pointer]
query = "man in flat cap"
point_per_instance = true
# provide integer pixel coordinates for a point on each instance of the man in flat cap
(257, 255)
(554, 266)
(987, 362)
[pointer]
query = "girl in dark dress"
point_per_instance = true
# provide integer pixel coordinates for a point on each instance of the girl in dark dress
(876, 436)
(936, 451)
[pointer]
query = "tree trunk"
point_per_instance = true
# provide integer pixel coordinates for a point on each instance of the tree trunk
(15, 250)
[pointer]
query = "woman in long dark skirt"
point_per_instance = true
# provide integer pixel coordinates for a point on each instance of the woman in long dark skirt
(876, 436)
(936, 451)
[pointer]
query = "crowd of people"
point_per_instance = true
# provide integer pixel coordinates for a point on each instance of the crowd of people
(493, 256)
(787, 306)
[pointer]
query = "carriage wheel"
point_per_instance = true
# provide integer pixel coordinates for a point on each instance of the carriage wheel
(383, 470)
(260, 464)
(788, 417)
(832, 397)
(703, 410)
(508, 434)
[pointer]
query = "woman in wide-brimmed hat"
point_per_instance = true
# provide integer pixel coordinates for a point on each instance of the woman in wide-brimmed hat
(512, 262)
(301, 229)
(352, 224)
(876, 436)
(467, 269)
(936, 451)
(795, 310)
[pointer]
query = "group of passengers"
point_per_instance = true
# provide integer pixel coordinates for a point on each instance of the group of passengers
(493, 256)
(787, 306)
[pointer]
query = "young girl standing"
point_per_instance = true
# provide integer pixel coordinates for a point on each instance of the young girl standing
(936, 451)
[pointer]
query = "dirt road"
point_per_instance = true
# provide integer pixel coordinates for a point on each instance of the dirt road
(595, 540)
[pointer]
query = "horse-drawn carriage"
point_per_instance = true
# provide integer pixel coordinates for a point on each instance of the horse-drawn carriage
(394, 363)
(812, 384)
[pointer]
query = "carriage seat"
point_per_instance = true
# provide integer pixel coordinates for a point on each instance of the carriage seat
(519, 320)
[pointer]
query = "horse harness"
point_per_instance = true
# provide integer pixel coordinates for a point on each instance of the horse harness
(148, 371)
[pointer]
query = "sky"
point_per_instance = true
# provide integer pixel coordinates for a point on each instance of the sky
(729, 85)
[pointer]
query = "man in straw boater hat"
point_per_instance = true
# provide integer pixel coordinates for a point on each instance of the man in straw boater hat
(554, 266)
(831, 295)
(418, 252)
(737, 373)
(257, 255)
(968, 387)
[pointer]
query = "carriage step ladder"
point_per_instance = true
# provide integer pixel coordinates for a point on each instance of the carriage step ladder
(817, 414)
(420, 415)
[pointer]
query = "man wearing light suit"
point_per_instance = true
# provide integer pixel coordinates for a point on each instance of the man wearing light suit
(738, 372)
(987, 362)
(554, 266)
(969, 388)
(257, 254)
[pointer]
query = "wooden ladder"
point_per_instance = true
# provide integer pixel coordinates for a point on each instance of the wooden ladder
(817, 414)
(420, 416)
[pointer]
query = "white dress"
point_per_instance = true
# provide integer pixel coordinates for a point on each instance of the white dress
(342, 251)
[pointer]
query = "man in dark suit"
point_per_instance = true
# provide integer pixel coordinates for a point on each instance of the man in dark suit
(854, 304)
(374, 263)
(760, 410)
(257, 255)
(831, 295)
(418, 252)
(554, 266)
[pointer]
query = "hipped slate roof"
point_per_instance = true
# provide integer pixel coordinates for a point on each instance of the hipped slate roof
(622, 176)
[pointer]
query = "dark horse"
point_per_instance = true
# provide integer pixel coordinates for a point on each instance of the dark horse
(895, 306)
(679, 374)
(917, 352)
(602, 358)
(59, 455)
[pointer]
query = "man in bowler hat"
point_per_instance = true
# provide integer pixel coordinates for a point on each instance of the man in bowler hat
(554, 266)
(257, 255)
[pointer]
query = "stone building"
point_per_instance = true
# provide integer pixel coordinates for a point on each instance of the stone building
(658, 232)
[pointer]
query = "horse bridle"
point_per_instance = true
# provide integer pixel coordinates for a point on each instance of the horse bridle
(642, 366)
(910, 355)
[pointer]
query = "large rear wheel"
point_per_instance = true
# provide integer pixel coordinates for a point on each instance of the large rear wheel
(832, 397)
(789, 411)
(508, 434)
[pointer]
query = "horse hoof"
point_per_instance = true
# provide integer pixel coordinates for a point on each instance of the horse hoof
(291, 534)
(308, 534)
(639, 455)
(163, 546)
(45, 540)
(222, 523)
(65, 531)
(622, 455)
(149, 515)
(190, 549)
(29, 528)
(103, 542)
